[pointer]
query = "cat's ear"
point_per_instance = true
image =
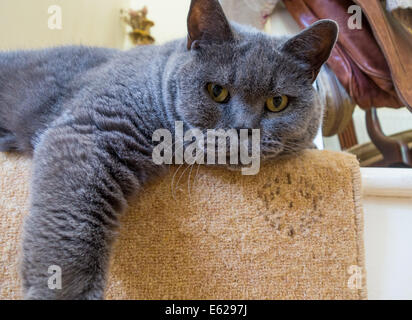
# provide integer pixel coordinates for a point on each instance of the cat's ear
(207, 22)
(314, 45)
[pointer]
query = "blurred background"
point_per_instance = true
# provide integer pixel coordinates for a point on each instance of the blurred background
(24, 23)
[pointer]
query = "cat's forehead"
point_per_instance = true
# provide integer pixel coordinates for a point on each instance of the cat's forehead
(247, 48)
(254, 62)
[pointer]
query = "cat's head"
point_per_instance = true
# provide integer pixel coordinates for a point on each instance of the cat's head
(238, 77)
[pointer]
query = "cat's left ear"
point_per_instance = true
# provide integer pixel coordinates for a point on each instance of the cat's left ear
(207, 22)
(314, 45)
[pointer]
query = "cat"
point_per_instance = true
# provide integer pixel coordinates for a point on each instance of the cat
(87, 116)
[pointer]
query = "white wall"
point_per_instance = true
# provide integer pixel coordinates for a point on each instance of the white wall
(24, 23)
(388, 253)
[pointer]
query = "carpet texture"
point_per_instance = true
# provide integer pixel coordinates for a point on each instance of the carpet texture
(294, 231)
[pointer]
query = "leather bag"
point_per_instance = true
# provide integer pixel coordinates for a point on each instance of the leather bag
(357, 59)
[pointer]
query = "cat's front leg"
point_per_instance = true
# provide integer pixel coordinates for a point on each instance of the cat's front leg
(75, 203)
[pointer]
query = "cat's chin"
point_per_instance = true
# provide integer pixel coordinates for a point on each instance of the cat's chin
(230, 167)
(263, 158)
(234, 167)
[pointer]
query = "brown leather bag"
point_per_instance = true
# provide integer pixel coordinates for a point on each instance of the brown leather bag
(357, 59)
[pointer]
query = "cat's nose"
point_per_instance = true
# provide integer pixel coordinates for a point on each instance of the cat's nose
(248, 121)
(244, 115)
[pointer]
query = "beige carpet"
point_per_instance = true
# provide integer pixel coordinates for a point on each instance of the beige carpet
(292, 232)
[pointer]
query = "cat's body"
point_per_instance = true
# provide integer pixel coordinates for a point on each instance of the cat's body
(88, 116)
(36, 87)
(91, 136)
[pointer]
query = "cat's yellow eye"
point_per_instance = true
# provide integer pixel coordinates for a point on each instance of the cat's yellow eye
(218, 93)
(277, 104)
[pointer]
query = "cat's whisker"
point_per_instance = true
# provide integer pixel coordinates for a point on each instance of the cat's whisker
(181, 176)
(173, 179)
(188, 181)
(197, 171)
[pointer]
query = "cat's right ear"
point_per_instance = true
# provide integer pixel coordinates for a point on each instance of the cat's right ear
(207, 22)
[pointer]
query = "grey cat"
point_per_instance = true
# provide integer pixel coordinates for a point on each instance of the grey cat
(88, 114)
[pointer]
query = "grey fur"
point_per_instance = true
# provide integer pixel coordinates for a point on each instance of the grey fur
(88, 115)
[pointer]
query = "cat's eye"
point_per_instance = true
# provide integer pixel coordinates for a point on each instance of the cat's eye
(277, 104)
(218, 93)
